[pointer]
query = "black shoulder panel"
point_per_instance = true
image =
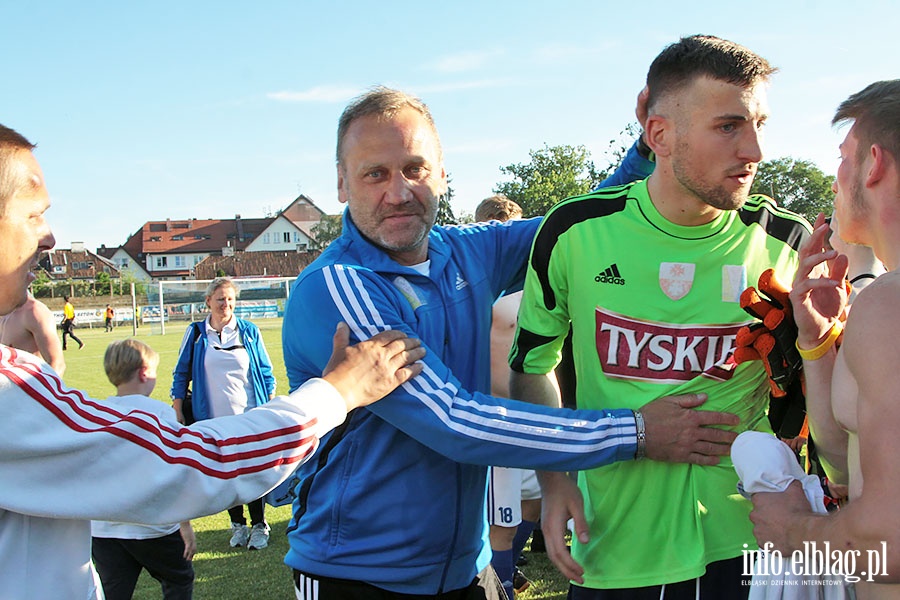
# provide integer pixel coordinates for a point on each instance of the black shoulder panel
(781, 224)
(560, 220)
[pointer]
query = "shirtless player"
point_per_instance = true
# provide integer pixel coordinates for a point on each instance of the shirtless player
(852, 403)
(32, 328)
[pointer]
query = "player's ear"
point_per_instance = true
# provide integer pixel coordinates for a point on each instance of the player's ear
(343, 192)
(659, 134)
(877, 165)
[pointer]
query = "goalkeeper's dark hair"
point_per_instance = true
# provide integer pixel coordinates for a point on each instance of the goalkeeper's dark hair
(704, 56)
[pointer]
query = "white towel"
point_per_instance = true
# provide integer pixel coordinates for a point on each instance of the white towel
(766, 464)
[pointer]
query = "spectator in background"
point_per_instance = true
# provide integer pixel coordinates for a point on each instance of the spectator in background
(514, 496)
(68, 324)
(32, 328)
(121, 550)
(230, 352)
(110, 314)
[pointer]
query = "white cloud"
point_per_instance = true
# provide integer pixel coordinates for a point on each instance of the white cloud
(319, 93)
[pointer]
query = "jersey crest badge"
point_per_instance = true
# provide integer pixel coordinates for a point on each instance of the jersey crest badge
(676, 279)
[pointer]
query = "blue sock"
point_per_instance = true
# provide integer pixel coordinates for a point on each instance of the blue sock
(522, 535)
(504, 564)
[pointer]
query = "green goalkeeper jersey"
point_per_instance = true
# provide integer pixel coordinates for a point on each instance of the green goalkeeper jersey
(654, 310)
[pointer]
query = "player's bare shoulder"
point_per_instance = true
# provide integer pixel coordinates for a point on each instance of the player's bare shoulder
(872, 331)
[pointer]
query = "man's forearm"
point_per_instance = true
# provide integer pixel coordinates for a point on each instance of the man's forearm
(534, 388)
(829, 437)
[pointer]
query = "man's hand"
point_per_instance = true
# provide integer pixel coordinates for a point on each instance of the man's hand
(819, 296)
(189, 539)
(677, 433)
(774, 514)
(560, 501)
(371, 369)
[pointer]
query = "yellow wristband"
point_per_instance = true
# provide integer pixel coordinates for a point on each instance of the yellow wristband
(823, 348)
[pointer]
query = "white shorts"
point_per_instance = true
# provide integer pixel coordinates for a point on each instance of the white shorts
(506, 490)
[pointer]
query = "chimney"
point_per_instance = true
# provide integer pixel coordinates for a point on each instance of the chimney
(240, 228)
(77, 247)
(168, 224)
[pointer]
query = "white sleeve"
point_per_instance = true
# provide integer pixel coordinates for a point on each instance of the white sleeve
(65, 455)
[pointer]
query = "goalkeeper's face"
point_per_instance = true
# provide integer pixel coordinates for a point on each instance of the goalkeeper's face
(718, 140)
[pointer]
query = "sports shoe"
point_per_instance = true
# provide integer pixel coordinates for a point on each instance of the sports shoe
(239, 535)
(520, 582)
(259, 537)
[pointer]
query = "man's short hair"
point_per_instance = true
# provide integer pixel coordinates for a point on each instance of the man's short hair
(124, 358)
(220, 282)
(384, 103)
(875, 112)
(11, 180)
(704, 55)
(499, 208)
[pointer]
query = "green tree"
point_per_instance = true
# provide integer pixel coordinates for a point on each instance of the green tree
(327, 230)
(101, 283)
(445, 214)
(553, 174)
(618, 148)
(798, 185)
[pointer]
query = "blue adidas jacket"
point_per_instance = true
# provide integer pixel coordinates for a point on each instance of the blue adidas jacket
(260, 367)
(396, 495)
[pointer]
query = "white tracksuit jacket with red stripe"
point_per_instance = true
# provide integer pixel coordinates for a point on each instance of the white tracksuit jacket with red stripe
(66, 458)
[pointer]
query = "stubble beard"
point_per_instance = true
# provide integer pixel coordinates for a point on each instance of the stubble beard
(713, 195)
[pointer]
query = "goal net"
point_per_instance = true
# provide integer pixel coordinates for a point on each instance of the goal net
(180, 302)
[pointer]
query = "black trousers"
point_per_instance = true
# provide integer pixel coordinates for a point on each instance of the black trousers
(68, 329)
(256, 508)
(119, 563)
(724, 580)
(486, 586)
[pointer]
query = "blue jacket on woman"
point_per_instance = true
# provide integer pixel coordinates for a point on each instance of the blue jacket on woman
(260, 367)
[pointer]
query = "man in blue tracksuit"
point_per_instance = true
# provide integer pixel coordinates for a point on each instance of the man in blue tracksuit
(393, 503)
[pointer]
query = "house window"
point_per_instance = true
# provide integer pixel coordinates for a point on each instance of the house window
(287, 237)
(266, 238)
(155, 238)
(177, 238)
(197, 259)
(179, 261)
(58, 269)
(296, 237)
(162, 261)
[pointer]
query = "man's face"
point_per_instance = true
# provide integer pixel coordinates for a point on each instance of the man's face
(24, 233)
(849, 204)
(391, 175)
(718, 140)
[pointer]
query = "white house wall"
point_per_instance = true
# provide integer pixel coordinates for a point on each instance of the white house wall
(281, 235)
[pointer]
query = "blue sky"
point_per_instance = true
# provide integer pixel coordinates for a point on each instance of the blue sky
(146, 111)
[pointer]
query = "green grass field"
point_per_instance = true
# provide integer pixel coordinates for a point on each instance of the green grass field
(224, 573)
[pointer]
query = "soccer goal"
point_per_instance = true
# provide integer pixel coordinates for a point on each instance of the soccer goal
(181, 302)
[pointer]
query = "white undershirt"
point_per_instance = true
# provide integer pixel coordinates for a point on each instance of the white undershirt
(422, 268)
(228, 385)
